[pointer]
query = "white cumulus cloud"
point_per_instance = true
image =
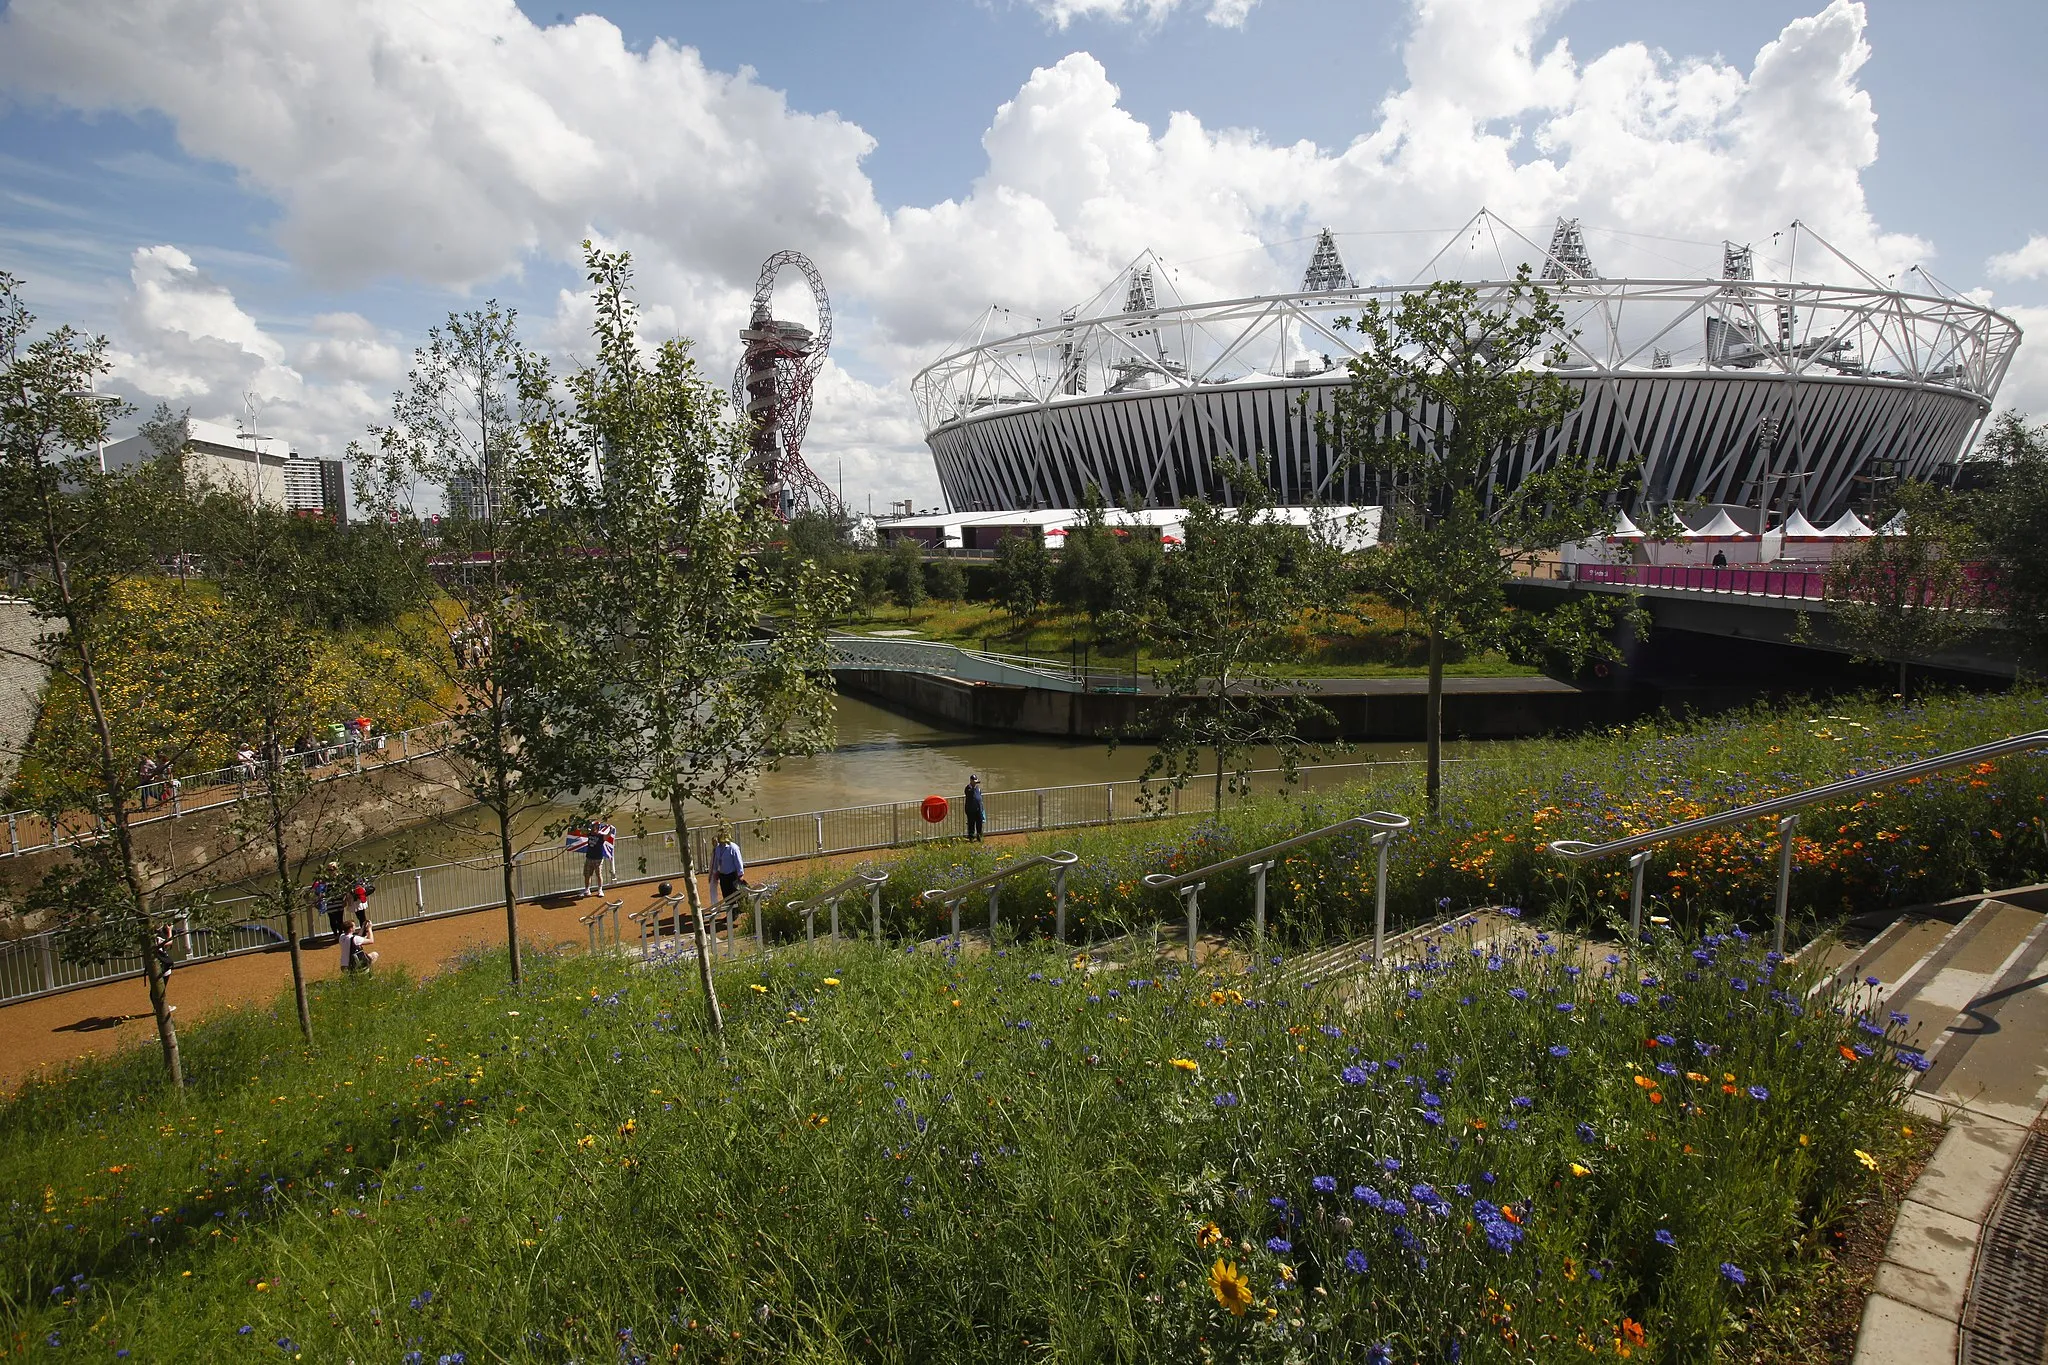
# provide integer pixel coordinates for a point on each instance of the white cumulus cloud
(2026, 262)
(454, 145)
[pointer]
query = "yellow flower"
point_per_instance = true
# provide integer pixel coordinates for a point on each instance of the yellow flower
(1184, 1064)
(628, 1128)
(817, 1120)
(586, 1141)
(831, 980)
(757, 988)
(1230, 1287)
(1208, 1235)
(1803, 1140)
(1869, 1161)
(1579, 1170)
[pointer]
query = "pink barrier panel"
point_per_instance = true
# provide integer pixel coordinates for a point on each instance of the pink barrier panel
(1744, 582)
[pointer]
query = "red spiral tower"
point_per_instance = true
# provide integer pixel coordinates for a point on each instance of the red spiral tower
(773, 388)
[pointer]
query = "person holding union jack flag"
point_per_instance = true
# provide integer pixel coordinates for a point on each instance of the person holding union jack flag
(597, 844)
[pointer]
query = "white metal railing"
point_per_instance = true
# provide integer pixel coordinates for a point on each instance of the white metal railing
(32, 831)
(871, 879)
(1189, 885)
(1639, 846)
(951, 896)
(32, 965)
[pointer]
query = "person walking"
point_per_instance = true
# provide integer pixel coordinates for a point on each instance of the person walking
(360, 892)
(355, 952)
(728, 865)
(147, 787)
(329, 901)
(977, 813)
(597, 843)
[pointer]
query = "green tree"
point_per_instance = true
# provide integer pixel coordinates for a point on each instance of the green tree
(2010, 524)
(1227, 601)
(1451, 532)
(459, 426)
(1023, 574)
(906, 574)
(687, 705)
(1094, 574)
(73, 535)
(1906, 593)
(945, 580)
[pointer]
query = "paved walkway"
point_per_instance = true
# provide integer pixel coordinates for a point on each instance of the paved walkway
(1958, 1282)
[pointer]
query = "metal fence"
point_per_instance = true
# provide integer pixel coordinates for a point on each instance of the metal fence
(31, 831)
(34, 965)
(1795, 583)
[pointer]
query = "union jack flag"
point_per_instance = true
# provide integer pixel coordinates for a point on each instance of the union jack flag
(579, 840)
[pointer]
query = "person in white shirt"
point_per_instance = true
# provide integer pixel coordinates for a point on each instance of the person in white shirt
(355, 956)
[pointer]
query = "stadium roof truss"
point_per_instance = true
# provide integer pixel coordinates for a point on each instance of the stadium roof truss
(1784, 338)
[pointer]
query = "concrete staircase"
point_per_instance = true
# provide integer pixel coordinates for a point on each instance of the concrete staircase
(1971, 976)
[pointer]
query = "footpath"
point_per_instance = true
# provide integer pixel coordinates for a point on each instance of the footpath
(1964, 1274)
(49, 1032)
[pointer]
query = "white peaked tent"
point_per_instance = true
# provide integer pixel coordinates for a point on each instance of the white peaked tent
(1624, 529)
(1798, 528)
(1848, 526)
(1895, 527)
(1722, 527)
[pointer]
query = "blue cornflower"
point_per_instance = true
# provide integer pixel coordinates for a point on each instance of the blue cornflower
(1430, 1101)
(1733, 1273)
(1664, 1237)
(1394, 1208)
(1279, 1246)
(1560, 1050)
(1324, 1184)
(1565, 1007)
(1757, 1092)
(1517, 993)
(1381, 1353)
(1215, 1044)
(1276, 1202)
(1899, 1019)
(1666, 1040)
(1354, 1261)
(1392, 1163)
(1367, 1195)
(1226, 1100)
(244, 1330)
(1628, 997)
(1355, 1075)
(1522, 1102)
(1738, 983)
(1586, 1133)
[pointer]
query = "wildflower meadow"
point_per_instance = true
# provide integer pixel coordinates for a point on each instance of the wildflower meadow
(1529, 1149)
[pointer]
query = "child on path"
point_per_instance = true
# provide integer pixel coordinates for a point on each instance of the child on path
(360, 893)
(328, 900)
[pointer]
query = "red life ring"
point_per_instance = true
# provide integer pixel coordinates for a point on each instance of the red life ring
(934, 809)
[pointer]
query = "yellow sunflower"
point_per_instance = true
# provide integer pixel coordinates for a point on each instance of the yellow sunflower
(1230, 1287)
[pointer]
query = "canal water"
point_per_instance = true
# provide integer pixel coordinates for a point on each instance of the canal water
(878, 756)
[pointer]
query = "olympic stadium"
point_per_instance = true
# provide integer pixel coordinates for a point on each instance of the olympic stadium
(1769, 394)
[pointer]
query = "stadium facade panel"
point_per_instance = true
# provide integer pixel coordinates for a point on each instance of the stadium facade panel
(1728, 390)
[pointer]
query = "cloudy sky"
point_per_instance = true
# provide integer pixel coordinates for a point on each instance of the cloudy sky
(264, 203)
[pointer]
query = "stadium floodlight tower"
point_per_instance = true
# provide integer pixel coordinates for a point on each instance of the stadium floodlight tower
(772, 386)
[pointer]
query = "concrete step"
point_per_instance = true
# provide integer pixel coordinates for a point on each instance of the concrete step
(1990, 1055)
(1970, 958)
(1892, 957)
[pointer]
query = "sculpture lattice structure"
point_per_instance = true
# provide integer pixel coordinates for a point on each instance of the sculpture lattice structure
(772, 387)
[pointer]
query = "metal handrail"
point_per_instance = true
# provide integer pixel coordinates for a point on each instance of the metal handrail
(1190, 884)
(869, 877)
(1059, 862)
(1786, 807)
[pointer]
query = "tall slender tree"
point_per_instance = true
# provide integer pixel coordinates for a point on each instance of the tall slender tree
(1482, 372)
(1907, 592)
(702, 658)
(457, 432)
(73, 534)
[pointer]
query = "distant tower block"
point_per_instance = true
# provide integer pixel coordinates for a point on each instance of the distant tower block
(773, 388)
(1326, 273)
(1568, 258)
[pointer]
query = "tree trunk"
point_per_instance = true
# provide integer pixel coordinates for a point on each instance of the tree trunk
(287, 894)
(1433, 720)
(1904, 695)
(713, 1015)
(117, 797)
(511, 894)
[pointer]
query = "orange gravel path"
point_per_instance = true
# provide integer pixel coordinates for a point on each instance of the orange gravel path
(51, 1032)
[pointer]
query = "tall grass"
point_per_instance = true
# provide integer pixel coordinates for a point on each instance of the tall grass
(1520, 1154)
(1943, 836)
